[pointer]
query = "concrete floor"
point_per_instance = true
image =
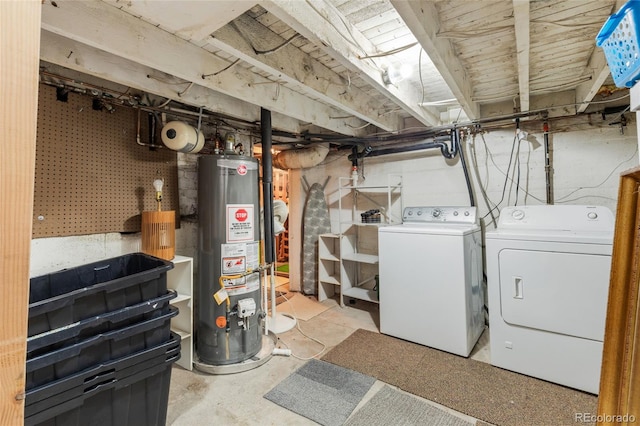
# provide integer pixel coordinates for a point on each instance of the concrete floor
(237, 399)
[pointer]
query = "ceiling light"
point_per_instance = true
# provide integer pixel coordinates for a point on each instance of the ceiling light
(393, 74)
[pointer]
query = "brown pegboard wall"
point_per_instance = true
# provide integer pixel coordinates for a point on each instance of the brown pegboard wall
(91, 175)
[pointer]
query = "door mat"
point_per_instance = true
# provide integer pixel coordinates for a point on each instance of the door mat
(393, 407)
(323, 392)
(471, 387)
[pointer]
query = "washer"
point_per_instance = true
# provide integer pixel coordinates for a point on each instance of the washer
(431, 278)
(548, 278)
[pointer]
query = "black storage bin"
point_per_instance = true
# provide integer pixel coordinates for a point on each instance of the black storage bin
(137, 400)
(40, 344)
(99, 348)
(60, 391)
(65, 297)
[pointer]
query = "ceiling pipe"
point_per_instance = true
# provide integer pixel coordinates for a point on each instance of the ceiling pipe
(303, 158)
(438, 142)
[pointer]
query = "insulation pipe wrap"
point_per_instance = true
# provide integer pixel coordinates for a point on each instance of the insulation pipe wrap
(180, 136)
(301, 158)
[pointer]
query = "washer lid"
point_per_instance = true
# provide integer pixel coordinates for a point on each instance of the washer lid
(431, 228)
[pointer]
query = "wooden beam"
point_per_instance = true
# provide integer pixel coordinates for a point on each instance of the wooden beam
(82, 58)
(19, 45)
(422, 19)
(322, 24)
(559, 104)
(190, 20)
(299, 69)
(109, 29)
(521, 18)
(599, 70)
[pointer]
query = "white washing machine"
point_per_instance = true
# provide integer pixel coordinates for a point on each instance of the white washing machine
(548, 279)
(431, 278)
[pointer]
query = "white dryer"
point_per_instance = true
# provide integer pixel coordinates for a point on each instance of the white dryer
(548, 279)
(431, 278)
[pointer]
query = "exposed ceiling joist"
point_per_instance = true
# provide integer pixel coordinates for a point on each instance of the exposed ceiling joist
(195, 25)
(112, 30)
(245, 37)
(55, 49)
(346, 44)
(599, 71)
(422, 19)
(521, 18)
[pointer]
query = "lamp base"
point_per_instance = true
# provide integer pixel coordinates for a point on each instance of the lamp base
(280, 323)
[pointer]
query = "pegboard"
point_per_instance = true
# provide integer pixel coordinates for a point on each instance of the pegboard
(91, 175)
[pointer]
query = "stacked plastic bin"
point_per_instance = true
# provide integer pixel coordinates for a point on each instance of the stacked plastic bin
(99, 346)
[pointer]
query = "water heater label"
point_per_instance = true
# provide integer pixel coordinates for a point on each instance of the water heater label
(240, 226)
(247, 284)
(238, 258)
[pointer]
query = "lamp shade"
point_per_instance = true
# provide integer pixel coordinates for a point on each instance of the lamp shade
(159, 233)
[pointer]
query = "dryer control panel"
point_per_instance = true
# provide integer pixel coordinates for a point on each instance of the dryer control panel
(445, 214)
(557, 217)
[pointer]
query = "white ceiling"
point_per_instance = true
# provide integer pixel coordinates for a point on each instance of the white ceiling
(320, 62)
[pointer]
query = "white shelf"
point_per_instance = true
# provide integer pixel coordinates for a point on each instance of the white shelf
(362, 258)
(333, 280)
(180, 279)
(183, 334)
(361, 294)
(328, 265)
(180, 298)
(359, 240)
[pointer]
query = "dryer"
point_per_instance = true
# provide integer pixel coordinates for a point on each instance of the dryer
(548, 280)
(431, 278)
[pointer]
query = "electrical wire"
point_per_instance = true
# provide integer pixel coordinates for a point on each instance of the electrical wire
(324, 346)
(420, 74)
(222, 70)
(517, 166)
(389, 52)
(504, 186)
(483, 191)
(563, 199)
(264, 52)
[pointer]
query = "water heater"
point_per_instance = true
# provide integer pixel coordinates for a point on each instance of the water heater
(228, 302)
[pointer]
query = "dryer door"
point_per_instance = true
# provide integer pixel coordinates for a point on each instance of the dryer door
(553, 291)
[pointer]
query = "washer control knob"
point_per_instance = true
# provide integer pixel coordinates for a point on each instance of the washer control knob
(455, 213)
(592, 215)
(517, 214)
(435, 213)
(419, 212)
(410, 213)
(466, 213)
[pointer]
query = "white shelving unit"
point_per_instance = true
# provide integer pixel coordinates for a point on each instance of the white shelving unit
(180, 279)
(356, 248)
(328, 265)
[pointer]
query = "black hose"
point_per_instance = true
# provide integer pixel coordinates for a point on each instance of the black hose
(267, 185)
(463, 162)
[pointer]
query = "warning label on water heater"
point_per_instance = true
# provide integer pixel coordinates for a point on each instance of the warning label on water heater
(240, 226)
(239, 258)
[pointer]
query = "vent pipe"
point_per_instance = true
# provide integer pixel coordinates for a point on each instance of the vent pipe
(303, 158)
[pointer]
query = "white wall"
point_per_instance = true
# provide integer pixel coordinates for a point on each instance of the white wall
(587, 164)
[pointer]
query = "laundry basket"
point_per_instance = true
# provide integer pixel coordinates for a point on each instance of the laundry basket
(619, 40)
